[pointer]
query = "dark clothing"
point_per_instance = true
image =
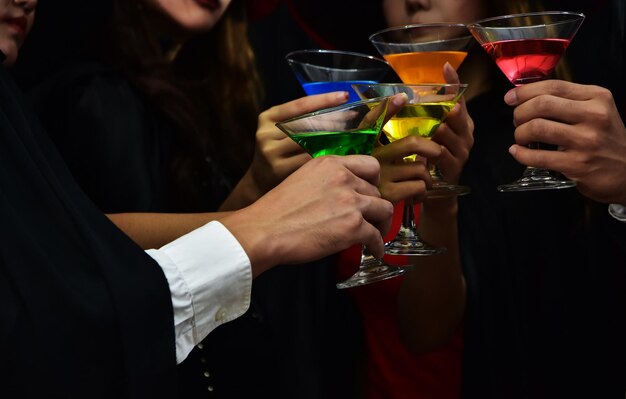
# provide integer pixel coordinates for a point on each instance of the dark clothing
(300, 339)
(118, 145)
(545, 270)
(73, 324)
(113, 143)
(120, 149)
(546, 278)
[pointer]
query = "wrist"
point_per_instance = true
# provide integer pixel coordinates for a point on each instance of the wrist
(258, 246)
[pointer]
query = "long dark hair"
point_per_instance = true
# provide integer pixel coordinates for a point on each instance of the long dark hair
(211, 90)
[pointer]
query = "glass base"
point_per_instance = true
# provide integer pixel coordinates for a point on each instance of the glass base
(410, 244)
(445, 190)
(538, 179)
(372, 271)
(441, 189)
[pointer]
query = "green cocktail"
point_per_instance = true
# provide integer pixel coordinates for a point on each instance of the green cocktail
(337, 143)
(349, 129)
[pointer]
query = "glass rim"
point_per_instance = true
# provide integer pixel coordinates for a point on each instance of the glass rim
(410, 26)
(573, 14)
(332, 109)
(329, 51)
(464, 85)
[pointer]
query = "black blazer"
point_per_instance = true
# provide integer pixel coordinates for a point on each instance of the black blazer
(69, 278)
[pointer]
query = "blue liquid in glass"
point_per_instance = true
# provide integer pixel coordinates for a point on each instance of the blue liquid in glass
(326, 87)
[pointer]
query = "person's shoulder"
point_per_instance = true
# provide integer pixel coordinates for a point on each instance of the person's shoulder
(83, 84)
(83, 75)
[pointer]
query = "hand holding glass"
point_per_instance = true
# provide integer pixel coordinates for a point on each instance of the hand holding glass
(527, 48)
(348, 129)
(418, 53)
(428, 106)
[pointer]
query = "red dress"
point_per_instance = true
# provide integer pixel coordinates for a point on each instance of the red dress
(392, 371)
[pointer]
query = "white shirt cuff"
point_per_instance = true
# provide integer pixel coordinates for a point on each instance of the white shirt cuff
(618, 212)
(210, 281)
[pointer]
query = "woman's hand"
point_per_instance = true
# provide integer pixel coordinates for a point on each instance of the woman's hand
(399, 179)
(456, 135)
(276, 155)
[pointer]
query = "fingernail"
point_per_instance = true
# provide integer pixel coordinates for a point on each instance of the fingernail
(511, 97)
(400, 99)
(513, 149)
(343, 95)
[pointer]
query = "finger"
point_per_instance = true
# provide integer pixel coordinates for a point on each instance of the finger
(557, 88)
(358, 173)
(450, 166)
(551, 107)
(397, 191)
(377, 211)
(404, 171)
(450, 74)
(457, 145)
(460, 108)
(373, 240)
(364, 166)
(547, 132)
(407, 146)
(290, 163)
(305, 105)
(282, 143)
(396, 103)
(459, 121)
(272, 133)
(378, 216)
(375, 112)
(553, 160)
(366, 188)
(275, 144)
(390, 106)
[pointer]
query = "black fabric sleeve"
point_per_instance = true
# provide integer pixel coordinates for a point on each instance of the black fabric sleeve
(85, 312)
(111, 139)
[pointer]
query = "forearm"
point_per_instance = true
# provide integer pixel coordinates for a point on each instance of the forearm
(245, 193)
(432, 297)
(154, 230)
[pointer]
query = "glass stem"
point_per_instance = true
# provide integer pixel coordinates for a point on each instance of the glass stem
(368, 260)
(435, 173)
(408, 218)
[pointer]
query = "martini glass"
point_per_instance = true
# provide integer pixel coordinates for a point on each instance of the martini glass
(347, 129)
(417, 53)
(428, 106)
(527, 48)
(323, 71)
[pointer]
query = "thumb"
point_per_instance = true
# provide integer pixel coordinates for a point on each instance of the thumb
(450, 74)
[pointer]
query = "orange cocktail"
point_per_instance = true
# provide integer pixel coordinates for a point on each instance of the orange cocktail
(424, 67)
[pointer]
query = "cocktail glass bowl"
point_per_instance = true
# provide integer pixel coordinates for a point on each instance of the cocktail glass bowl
(351, 128)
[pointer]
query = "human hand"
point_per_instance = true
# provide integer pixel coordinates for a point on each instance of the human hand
(584, 123)
(399, 179)
(276, 155)
(456, 135)
(327, 205)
